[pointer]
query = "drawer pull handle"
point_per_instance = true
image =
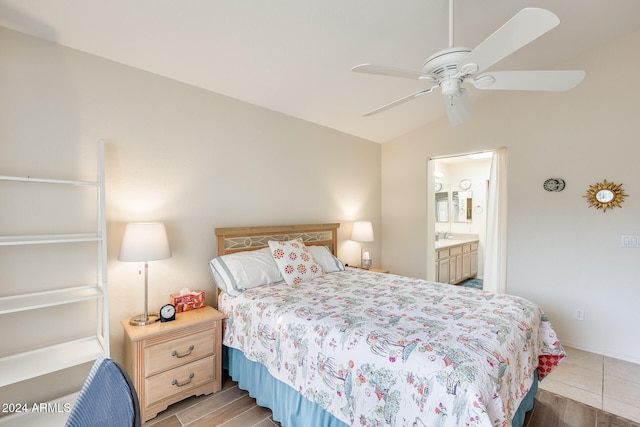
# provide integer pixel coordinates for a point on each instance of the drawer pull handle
(176, 383)
(180, 356)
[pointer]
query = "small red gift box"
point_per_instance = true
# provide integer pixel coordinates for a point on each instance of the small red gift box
(188, 301)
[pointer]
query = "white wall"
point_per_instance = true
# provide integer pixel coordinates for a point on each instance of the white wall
(175, 153)
(561, 254)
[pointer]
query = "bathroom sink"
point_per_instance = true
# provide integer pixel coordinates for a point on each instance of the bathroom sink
(449, 242)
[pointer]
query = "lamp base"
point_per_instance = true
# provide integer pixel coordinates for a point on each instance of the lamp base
(141, 320)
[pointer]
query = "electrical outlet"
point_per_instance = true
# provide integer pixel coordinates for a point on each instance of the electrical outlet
(579, 314)
(630, 241)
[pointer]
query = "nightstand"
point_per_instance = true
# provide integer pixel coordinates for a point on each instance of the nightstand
(171, 361)
(374, 269)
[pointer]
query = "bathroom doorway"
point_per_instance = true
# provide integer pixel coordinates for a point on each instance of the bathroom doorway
(461, 204)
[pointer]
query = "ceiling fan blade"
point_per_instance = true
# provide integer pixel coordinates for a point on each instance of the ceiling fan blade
(552, 81)
(526, 26)
(399, 101)
(457, 107)
(388, 71)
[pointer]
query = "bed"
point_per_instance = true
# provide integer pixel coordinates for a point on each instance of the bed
(322, 344)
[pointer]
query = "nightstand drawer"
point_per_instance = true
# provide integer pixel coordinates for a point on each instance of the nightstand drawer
(167, 355)
(179, 380)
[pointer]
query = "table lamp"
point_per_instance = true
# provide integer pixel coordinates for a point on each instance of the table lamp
(362, 231)
(144, 241)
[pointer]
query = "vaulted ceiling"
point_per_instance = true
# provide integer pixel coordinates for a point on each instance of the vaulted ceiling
(295, 56)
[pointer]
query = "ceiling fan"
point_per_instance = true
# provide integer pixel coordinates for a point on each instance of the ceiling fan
(450, 68)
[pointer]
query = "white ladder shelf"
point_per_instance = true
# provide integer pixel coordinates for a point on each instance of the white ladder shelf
(46, 359)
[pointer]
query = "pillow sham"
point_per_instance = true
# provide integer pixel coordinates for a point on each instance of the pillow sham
(294, 260)
(325, 259)
(233, 273)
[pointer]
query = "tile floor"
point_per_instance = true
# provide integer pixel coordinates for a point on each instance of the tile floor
(602, 382)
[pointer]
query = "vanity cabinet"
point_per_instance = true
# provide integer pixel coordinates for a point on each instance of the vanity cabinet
(442, 265)
(457, 262)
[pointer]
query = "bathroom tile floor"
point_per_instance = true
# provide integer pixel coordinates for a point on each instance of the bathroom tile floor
(602, 382)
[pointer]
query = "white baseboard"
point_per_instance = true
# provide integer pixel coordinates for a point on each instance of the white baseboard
(611, 354)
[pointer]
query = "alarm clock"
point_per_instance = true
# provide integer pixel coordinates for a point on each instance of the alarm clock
(167, 313)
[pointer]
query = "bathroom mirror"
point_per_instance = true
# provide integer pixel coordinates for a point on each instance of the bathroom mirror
(442, 206)
(462, 206)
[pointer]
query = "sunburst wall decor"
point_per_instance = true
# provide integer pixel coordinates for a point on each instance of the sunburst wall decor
(605, 195)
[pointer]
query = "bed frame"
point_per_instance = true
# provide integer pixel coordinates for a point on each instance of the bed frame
(238, 239)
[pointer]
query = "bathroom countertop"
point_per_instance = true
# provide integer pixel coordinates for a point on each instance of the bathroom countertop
(445, 243)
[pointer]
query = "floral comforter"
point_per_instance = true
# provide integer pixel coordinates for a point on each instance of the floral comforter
(384, 350)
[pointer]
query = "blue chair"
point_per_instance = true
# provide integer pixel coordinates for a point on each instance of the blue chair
(107, 399)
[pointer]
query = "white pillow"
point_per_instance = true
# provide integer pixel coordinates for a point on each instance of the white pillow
(326, 259)
(294, 260)
(233, 273)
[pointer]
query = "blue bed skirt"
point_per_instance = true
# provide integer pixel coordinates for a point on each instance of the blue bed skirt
(293, 410)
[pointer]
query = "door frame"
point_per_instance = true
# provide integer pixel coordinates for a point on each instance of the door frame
(431, 215)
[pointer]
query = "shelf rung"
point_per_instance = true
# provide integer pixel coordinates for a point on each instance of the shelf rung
(49, 181)
(12, 304)
(31, 364)
(48, 239)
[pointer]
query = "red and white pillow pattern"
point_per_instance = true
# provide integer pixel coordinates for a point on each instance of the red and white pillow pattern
(294, 261)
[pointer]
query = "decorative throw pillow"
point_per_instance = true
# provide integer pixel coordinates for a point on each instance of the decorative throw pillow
(326, 259)
(294, 261)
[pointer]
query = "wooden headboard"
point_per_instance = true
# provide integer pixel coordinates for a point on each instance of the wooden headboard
(238, 239)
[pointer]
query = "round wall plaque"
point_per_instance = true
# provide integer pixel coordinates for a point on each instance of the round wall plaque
(465, 184)
(554, 184)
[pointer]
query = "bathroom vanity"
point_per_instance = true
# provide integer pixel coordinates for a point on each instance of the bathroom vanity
(456, 259)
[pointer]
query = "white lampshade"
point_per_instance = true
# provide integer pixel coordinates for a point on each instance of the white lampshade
(362, 231)
(144, 241)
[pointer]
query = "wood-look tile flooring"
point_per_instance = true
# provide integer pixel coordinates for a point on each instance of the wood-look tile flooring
(233, 407)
